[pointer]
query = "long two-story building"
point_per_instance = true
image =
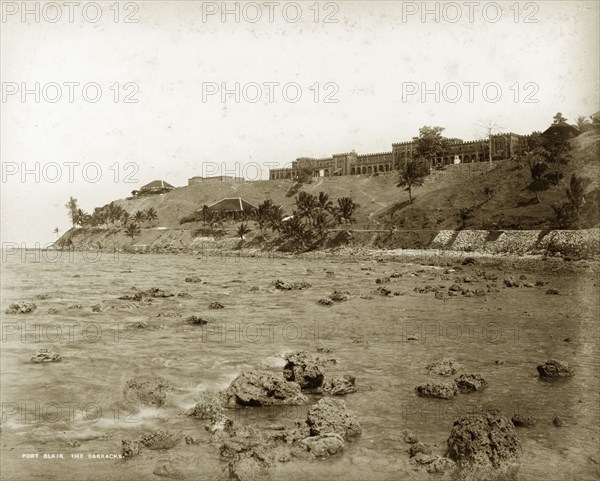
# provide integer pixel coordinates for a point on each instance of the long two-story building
(504, 146)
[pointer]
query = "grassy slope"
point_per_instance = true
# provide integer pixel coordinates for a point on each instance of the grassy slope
(436, 202)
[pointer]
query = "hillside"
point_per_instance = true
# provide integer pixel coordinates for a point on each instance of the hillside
(511, 206)
(382, 204)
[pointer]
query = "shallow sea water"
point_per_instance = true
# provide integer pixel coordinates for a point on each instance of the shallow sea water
(78, 399)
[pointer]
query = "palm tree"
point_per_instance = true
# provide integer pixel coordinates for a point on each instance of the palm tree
(151, 214)
(263, 215)
(295, 229)
(563, 215)
(322, 222)
(80, 217)
(276, 216)
(132, 230)
(125, 218)
(539, 181)
(55, 231)
(324, 203)
(72, 208)
(139, 216)
(242, 230)
(345, 211)
(583, 124)
(306, 205)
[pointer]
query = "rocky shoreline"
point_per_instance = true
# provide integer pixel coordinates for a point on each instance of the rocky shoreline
(575, 244)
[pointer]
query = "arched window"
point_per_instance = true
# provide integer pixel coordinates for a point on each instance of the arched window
(352, 171)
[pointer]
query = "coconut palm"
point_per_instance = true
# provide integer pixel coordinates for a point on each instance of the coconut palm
(132, 230)
(583, 123)
(324, 203)
(322, 223)
(151, 214)
(242, 230)
(306, 204)
(56, 231)
(139, 216)
(263, 215)
(345, 210)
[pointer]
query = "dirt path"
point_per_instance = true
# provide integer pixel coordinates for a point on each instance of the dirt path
(372, 198)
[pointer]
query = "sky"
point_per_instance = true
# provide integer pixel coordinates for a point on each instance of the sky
(98, 102)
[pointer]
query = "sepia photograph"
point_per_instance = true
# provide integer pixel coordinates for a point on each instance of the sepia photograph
(300, 240)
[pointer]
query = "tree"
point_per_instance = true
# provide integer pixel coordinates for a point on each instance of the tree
(56, 231)
(345, 210)
(306, 205)
(563, 215)
(412, 174)
(125, 218)
(262, 215)
(490, 128)
(430, 144)
(295, 229)
(488, 191)
(324, 203)
(540, 181)
(559, 119)
(463, 215)
(322, 223)
(151, 214)
(81, 217)
(583, 124)
(71, 206)
(139, 216)
(242, 230)
(276, 216)
(132, 230)
(304, 175)
(576, 195)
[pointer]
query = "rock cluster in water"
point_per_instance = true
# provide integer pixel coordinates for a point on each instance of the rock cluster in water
(485, 445)
(147, 390)
(285, 286)
(151, 293)
(21, 308)
(554, 369)
(261, 388)
(44, 355)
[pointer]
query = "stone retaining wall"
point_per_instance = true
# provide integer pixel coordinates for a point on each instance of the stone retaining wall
(574, 243)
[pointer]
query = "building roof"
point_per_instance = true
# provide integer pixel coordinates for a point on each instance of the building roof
(160, 184)
(231, 204)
